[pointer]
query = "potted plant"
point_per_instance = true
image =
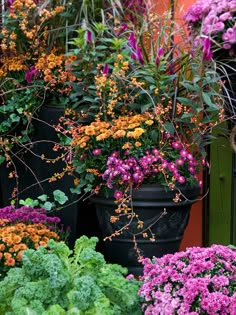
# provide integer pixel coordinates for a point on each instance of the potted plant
(154, 105)
(196, 281)
(36, 82)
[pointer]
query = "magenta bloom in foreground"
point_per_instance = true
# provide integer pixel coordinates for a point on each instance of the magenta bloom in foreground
(196, 281)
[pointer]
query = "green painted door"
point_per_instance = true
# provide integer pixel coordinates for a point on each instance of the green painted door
(222, 190)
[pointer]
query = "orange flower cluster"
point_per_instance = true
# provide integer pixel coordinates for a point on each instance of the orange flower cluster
(14, 239)
(56, 70)
(109, 89)
(124, 126)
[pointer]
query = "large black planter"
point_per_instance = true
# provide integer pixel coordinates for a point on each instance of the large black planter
(149, 202)
(34, 174)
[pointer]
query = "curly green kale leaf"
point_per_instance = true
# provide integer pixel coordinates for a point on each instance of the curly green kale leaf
(55, 280)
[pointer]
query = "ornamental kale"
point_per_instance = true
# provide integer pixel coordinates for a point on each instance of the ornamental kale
(195, 281)
(59, 281)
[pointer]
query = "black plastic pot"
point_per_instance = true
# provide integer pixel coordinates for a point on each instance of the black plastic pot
(149, 202)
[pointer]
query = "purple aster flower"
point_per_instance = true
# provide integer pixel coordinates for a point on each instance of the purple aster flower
(176, 145)
(183, 153)
(97, 151)
(191, 169)
(118, 194)
(181, 179)
(179, 162)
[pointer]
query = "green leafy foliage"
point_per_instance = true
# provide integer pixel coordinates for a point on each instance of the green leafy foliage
(59, 281)
(43, 202)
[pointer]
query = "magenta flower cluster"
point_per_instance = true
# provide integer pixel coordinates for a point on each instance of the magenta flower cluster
(27, 215)
(129, 169)
(196, 281)
(215, 19)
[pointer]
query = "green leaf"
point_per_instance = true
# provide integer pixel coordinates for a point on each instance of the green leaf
(60, 196)
(190, 87)
(169, 127)
(187, 101)
(48, 205)
(43, 197)
(2, 159)
(187, 115)
(29, 202)
(207, 98)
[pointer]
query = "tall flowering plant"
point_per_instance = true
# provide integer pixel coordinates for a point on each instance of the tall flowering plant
(195, 281)
(153, 105)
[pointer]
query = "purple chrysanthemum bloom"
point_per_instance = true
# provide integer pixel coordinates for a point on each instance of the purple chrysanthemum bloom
(27, 215)
(196, 281)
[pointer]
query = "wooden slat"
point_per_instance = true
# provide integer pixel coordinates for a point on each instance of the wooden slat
(220, 190)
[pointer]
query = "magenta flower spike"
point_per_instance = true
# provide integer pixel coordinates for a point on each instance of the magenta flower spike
(207, 53)
(136, 51)
(30, 74)
(105, 70)
(89, 37)
(159, 54)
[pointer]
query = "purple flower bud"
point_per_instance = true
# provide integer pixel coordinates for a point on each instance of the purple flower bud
(105, 70)
(160, 53)
(136, 51)
(123, 27)
(139, 55)
(207, 53)
(89, 37)
(132, 41)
